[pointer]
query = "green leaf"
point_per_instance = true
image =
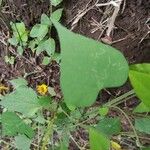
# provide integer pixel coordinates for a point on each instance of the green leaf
(51, 91)
(19, 31)
(141, 108)
(45, 20)
(56, 57)
(18, 82)
(98, 141)
(103, 111)
(140, 79)
(12, 124)
(9, 60)
(56, 15)
(20, 50)
(87, 67)
(56, 2)
(22, 142)
(23, 100)
(143, 125)
(45, 101)
(47, 45)
(32, 44)
(13, 41)
(46, 61)
(109, 126)
(39, 31)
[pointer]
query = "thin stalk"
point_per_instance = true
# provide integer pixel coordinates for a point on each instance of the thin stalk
(130, 122)
(119, 99)
(48, 133)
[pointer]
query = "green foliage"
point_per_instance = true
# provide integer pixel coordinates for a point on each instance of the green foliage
(56, 15)
(82, 67)
(109, 126)
(18, 82)
(98, 141)
(143, 125)
(140, 79)
(19, 31)
(141, 108)
(46, 45)
(23, 100)
(22, 142)
(12, 125)
(56, 2)
(103, 111)
(9, 60)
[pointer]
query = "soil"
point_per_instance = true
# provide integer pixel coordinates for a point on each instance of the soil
(130, 36)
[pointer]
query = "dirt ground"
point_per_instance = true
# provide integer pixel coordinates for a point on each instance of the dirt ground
(130, 36)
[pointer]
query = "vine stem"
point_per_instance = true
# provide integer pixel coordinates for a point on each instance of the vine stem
(120, 99)
(130, 122)
(48, 133)
(114, 102)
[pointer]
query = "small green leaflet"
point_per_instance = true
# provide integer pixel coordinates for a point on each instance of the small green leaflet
(46, 45)
(98, 141)
(22, 142)
(143, 125)
(39, 31)
(12, 124)
(140, 79)
(109, 126)
(87, 67)
(45, 20)
(19, 32)
(23, 100)
(56, 2)
(56, 15)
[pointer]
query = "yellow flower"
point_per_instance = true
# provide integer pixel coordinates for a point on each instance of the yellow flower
(3, 88)
(115, 146)
(42, 89)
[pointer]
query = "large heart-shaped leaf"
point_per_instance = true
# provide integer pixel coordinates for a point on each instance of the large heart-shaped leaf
(140, 79)
(87, 67)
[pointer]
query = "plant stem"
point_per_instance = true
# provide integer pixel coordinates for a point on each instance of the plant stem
(119, 99)
(48, 133)
(130, 122)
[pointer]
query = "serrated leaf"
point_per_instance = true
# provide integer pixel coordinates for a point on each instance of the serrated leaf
(140, 79)
(87, 67)
(22, 142)
(143, 125)
(47, 45)
(39, 31)
(56, 15)
(56, 2)
(109, 126)
(45, 20)
(18, 82)
(12, 124)
(98, 141)
(141, 108)
(23, 100)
